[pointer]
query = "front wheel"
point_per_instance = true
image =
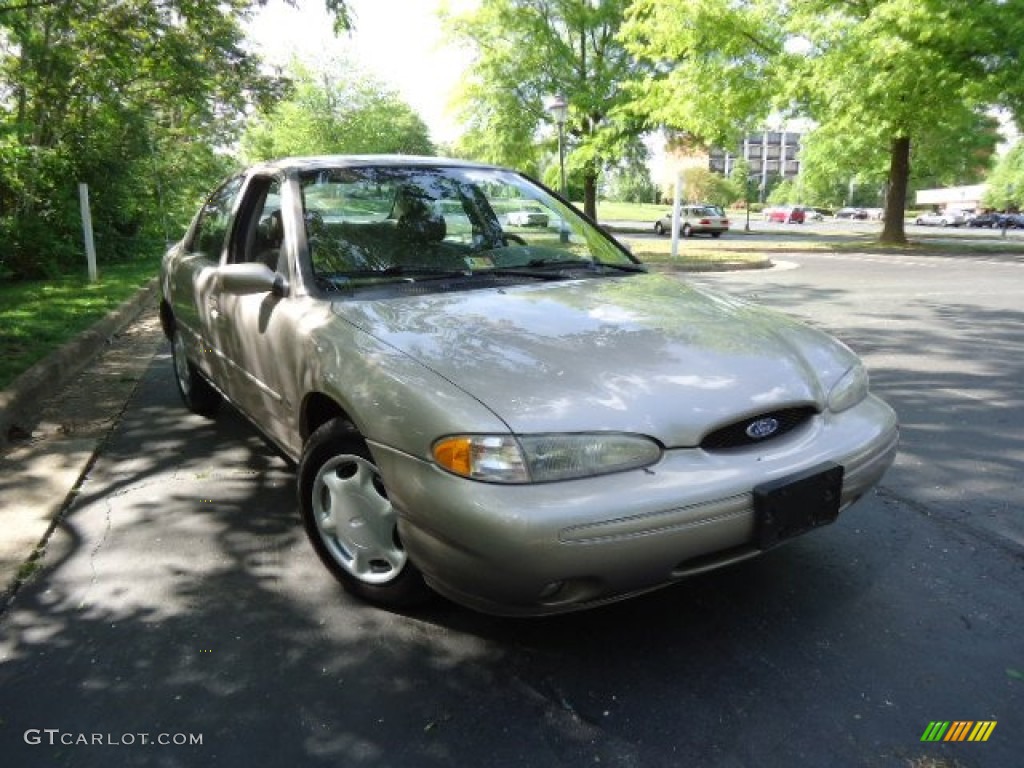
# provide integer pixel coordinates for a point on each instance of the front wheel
(350, 521)
(659, 228)
(196, 392)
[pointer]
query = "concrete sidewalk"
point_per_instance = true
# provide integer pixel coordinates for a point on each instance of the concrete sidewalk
(66, 405)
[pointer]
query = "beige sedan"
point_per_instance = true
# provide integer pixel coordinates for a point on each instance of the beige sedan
(527, 422)
(695, 220)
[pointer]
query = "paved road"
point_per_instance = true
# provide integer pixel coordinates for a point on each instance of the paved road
(181, 601)
(842, 229)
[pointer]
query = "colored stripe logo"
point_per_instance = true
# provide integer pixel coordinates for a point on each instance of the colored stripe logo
(958, 730)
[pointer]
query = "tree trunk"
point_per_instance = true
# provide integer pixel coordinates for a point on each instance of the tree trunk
(590, 194)
(894, 230)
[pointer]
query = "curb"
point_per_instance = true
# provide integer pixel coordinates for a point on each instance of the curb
(711, 266)
(19, 402)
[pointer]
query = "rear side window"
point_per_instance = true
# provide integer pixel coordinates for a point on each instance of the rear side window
(212, 228)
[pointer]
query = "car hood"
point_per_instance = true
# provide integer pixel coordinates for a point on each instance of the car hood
(644, 353)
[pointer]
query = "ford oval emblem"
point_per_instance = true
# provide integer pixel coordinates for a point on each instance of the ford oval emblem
(762, 428)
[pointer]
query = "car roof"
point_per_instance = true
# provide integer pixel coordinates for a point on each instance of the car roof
(319, 162)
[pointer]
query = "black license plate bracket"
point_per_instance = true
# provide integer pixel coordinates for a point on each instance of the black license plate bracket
(795, 504)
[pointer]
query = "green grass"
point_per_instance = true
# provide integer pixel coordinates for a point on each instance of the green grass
(609, 211)
(38, 316)
(699, 252)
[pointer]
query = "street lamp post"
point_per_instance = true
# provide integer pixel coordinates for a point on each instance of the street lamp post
(559, 109)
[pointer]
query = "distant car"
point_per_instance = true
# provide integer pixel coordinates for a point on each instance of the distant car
(527, 216)
(851, 213)
(813, 214)
(990, 219)
(695, 220)
(941, 219)
(786, 214)
(528, 428)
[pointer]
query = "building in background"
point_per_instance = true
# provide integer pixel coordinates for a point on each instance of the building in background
(958, 198)
(772, 155)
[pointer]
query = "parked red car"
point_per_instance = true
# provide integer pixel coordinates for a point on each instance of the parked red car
(785, 215)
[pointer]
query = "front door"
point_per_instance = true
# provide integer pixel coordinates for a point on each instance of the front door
(256, 333)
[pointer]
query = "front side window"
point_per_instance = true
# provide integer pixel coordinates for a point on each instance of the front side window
(389, 223)
(259, 234)
(212, 227)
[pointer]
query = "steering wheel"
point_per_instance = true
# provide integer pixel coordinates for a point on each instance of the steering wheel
(511, 236)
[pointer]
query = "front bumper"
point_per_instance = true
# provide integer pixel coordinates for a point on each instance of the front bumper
(555, 547)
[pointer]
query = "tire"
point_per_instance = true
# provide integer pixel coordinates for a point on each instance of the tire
(687, 230)
(658, 228)
(716, 234)
(196, 392)
(339, 482)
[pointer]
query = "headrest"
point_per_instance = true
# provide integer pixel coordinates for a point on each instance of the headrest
(275, 228)
(427, 227)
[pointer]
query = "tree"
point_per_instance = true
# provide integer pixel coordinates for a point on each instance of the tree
(903, 77)
(355, 114)
(126, 113)
(143, 115)
(710, 65)
(703, 186)
(893, 80)
(526, 52)
(1006, 183)
(629, 179)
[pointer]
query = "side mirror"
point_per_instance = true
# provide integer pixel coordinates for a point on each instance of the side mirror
(251, 278)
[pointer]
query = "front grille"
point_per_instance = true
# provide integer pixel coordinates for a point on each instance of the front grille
(736, 435)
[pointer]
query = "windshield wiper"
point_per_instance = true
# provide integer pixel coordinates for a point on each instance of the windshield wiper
(559, 263)
(589, 265)
(621, 267)
(412, 272)
(523, 272)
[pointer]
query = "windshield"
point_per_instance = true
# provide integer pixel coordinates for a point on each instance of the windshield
(367, 225)
(710, 210)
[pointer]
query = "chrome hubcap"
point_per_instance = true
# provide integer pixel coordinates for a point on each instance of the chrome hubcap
(356, 521)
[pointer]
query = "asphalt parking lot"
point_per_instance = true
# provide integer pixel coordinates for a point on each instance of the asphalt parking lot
(179, 597)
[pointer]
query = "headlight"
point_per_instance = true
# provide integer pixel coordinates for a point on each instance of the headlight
(543, 458)
(851, 388)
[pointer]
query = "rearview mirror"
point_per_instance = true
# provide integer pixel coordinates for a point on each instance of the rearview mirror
(250, 278)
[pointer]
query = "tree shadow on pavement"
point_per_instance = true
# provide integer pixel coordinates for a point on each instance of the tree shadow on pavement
(182, 598)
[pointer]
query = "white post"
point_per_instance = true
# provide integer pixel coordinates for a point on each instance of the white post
(677, 201)
(90, 246)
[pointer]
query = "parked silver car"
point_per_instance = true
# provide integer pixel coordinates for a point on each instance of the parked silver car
(695, 220)
(529, 422)
(532, 216)
(941, 219)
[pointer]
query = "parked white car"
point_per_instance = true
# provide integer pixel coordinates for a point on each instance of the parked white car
(527, 216)
(946, 218)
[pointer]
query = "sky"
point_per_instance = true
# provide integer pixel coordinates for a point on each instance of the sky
(398, 41)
